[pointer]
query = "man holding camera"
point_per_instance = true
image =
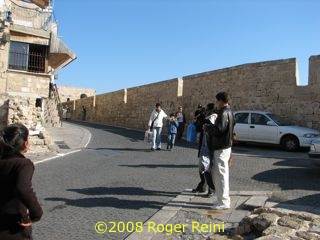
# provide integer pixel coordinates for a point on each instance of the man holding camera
(219, 142)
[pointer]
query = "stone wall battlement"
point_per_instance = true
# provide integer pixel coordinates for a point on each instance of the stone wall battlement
(270, 86)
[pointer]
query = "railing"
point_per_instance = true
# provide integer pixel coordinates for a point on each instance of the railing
(33, 18)
(56, 94)
(32, 62)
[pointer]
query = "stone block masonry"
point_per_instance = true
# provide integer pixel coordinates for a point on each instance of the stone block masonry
(269, 86)
(273, 223)
(73, 93)
(20, 109)
(27, 84)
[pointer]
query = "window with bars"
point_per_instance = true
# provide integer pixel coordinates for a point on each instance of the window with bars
(27, 57)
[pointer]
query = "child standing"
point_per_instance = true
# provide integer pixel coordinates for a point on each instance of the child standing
(172, 130)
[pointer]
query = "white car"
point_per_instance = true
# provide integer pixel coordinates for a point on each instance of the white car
(314, 153)
(265, 127)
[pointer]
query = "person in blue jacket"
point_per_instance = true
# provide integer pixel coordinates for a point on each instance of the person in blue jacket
(172, 130)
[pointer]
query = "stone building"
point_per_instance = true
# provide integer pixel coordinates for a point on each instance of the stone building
(31, 54)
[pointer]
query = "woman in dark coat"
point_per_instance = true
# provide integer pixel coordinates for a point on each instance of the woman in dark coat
(19, 206)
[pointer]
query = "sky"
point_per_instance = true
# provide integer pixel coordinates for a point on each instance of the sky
(127, 43)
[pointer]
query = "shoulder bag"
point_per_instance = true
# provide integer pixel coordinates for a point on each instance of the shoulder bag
(151, 126)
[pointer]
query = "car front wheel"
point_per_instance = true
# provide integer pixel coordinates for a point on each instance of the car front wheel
(290, 143)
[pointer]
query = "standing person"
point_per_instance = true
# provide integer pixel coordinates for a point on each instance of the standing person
(51, 90)
(84, 113)
(64, 113)
(68, 114)
(205, 174)
(155, 125)
(199, 116)
(219, 142)
(181, 117)
(172, 131)
(19, 206)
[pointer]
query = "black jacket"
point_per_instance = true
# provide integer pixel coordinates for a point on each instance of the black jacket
(220, 133)
(200, 119)
(17, 197)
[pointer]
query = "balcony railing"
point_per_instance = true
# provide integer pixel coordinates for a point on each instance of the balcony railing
(33, 18)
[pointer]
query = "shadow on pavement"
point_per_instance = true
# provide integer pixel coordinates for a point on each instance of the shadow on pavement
(132, 134)
(291, 178)
(108, 202)
(113, 201)
(266, 146)
(160, 166)
(310, 200)
(122, 191)
(121, 149)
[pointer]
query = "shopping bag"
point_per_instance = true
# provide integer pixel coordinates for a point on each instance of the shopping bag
(204, 156)
(148, 136)
(191, 133)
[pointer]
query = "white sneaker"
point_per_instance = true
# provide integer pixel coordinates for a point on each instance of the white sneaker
(217, 206)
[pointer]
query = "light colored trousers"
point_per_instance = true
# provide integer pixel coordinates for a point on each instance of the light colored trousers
(156, 138)
(221, 175)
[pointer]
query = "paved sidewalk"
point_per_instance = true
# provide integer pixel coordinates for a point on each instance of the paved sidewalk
(67, 139)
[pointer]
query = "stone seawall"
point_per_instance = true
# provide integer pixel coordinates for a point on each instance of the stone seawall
(270, 86)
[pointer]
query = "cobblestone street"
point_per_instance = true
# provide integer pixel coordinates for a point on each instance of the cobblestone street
(118, 179)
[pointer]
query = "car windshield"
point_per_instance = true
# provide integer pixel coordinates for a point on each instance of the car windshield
(278, 120)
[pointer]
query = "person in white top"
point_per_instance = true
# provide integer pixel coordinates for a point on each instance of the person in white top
(155, 125)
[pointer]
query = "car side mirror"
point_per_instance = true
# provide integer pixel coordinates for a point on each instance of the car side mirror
(271, 123)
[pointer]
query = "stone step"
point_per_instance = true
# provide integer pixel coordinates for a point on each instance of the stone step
(255, 202)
